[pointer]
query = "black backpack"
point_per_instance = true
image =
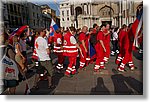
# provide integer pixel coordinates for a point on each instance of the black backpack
(93, 39)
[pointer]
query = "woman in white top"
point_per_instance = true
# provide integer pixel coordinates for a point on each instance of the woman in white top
(19, 58)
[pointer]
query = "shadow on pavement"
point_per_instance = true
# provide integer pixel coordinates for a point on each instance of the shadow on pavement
(100, 88)
(126, 85)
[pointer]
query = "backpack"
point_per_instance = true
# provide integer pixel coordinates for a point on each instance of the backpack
(93, 39)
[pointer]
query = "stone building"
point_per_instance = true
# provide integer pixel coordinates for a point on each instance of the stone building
(88, 12)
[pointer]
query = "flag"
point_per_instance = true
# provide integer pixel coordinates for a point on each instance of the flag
(17, 31)
(136, 27)
(53, 28)
(92, 51)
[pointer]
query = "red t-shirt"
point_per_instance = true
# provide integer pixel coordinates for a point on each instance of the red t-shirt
(100, 36)
(107, 38)
(82, 36)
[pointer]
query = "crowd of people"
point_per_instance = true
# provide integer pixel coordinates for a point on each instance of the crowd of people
(71, 43)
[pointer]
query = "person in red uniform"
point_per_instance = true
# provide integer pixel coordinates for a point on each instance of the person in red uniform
(58, 49)
(100, 50)
(107, 43)
(87, 42)
(125, 44)
(70, 49)
(82, 41)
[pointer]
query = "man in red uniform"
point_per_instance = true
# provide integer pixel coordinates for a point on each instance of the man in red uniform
(125, 49)
(70, 48)
(100, 50)
(107, 43)
(87, 42)
(58, 49)
(82, 41)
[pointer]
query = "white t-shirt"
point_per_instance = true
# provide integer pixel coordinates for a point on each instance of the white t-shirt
(41, 49)
(115, 36)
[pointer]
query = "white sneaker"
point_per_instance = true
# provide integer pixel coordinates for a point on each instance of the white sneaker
(120, 70)
(132, 68)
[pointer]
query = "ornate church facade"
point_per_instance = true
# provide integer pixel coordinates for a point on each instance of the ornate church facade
(78, 13)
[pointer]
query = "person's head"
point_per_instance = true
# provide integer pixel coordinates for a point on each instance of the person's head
(72, 30)
(23, 36)
(84, 29)
(15, 39)
(107, 26)
(42, 32)
(95, 26)
(124, 27)
(90, 30)
(102, 27)
(116, 29)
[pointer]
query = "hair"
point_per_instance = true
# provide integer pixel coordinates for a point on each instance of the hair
(124, 26)
(72, 29)
(102, 25)
(94, 25)
(90, 29)
(115, 29)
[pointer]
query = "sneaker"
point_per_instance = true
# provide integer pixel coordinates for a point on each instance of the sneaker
(120, 70)
(132, 68)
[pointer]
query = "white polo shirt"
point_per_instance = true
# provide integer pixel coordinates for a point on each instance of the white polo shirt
(41, 46)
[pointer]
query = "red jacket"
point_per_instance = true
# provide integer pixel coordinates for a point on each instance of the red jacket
(106, 38)
(57, 46)
(69, 48)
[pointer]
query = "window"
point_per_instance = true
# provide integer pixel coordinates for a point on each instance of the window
(34, 22)
(32, 6)
(63, 19)
(68, 19)
(33, 14)
(62, 13)
(67, 12)
(62, 5)
(67, 4)
(37, 15)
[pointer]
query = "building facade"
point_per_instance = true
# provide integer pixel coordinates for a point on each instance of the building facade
(65, 15)
(15, 14)
(89, 12)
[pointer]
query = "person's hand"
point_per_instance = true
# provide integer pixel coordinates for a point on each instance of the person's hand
(104, 50)
(86, 50)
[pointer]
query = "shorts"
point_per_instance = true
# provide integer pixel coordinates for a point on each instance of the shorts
(11, 83)
(18, 58)
(48, 66)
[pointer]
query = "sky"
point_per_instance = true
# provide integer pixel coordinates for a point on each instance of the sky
(51, 3)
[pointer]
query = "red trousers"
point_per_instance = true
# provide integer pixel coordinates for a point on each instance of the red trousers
(71, 67)
(60, 61)
(82, 57)
(107, 53)
(99, 57)
(127, 58)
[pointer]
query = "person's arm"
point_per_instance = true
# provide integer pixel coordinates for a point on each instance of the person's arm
(18, 50)
(105, 34)
(101, 42)
(28, 31)
(83, 43)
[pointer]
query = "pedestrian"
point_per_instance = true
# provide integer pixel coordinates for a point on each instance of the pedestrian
(43, 53)
(87, 44)
(58, 49)
(125, 55)
(70, 48)
(107, 43)
(115, 42)
(82, 41)
(8, 66)
(19, 58)
(100, 50)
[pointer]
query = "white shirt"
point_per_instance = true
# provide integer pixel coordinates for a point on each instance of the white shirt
(73, 40)
(23, 45)
(115, 36)
(41, 49)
